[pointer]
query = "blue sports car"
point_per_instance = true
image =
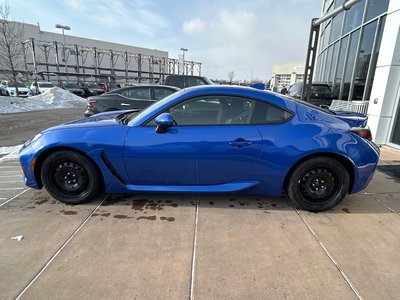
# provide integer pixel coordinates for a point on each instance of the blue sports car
(207, 139)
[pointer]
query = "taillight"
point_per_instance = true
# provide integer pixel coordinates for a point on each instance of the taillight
(90, 101)
(363, 132)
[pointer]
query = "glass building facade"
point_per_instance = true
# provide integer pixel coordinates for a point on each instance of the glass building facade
(349, 47)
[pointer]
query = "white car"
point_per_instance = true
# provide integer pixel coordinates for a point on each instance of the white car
(10, 87)
(40, 87)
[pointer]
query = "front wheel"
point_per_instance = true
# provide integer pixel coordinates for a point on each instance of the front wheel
(318, 184)
(70, 177)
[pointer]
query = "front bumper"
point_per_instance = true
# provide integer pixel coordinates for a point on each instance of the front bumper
(27, 160)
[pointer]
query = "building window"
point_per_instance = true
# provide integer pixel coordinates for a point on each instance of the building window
(339, 72)
(336, 29)
(376, 7)
(372, 67)
(363, 60)
(353, 17)
(328, 64)
(282, 80)
(335, 54)
(299, 78)
(350, 65)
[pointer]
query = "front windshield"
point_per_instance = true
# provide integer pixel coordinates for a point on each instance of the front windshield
(155, 106)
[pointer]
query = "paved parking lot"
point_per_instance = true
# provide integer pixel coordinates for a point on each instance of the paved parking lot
(199, 247)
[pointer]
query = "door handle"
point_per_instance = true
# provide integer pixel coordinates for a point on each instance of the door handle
(240, 143)
(125, 104)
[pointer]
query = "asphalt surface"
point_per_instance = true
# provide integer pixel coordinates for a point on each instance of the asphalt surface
(159, 246)
(17, 128)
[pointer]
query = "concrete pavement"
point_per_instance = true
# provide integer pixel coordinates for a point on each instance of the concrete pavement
(204, 247)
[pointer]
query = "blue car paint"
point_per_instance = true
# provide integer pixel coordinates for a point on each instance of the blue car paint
(200, 158)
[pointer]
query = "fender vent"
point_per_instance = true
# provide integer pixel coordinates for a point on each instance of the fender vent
(110, 167)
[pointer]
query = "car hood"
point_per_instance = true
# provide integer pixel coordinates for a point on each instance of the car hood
(99, 120)
(352, 118)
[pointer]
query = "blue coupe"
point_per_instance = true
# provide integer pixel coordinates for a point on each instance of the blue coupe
(208, 139)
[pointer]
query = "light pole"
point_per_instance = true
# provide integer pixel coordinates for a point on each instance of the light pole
(183, 59)
(62, 29)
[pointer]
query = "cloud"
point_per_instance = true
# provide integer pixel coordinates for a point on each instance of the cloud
(138, 15)
(193, 26)
(248, 37)
(75, 5)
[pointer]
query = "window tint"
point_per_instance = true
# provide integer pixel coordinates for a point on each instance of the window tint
(137, 93)
(350, 64)
(175, 81)
(160, 93)
(363, 60)
(376, 7)
(193, 81)
(354, 16)
(213, 110)
(266, 113)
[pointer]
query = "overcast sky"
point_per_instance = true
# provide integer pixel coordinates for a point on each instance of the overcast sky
(245, 37)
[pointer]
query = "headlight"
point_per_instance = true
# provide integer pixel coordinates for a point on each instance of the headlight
(28, 142)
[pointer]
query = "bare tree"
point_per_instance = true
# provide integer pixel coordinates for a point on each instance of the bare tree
(11, 52)
(231, 76)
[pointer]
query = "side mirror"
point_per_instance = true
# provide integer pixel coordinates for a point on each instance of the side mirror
(164, 121)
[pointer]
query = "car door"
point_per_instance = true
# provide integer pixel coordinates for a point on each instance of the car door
(134, 98)
(212, 143)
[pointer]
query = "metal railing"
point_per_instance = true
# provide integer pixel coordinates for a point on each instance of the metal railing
(354, 106)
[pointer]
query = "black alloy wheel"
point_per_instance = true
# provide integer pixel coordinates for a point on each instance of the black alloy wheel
(70, 177)
(318, 184)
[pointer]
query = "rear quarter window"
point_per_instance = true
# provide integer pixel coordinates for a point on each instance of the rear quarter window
(266, 113)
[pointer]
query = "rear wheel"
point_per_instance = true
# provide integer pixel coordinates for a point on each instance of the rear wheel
(318, 184)
(70, 177)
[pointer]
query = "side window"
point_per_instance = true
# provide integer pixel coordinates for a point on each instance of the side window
(160, 93)
(193, 81)
(137, 93)
(266, 113)
(213, 110)
(175, 81)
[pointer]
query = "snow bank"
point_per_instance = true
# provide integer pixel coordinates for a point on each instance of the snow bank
(51, 99)
(12, 153)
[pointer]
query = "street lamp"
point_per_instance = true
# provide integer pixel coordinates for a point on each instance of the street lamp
(62, 29)
(183, 59)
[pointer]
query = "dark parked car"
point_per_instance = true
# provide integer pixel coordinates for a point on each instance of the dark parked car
(183, 81)
(132, 97)
(208, 139)
(321, 93)
(73, 88)
(91, 89)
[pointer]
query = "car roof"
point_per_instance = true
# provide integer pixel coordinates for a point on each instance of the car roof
(144, 85)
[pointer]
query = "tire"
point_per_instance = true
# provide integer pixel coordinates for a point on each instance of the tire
(318, 184)
(70, 177)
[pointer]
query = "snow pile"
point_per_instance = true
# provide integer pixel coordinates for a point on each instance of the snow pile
(12, 153)
(51, 99)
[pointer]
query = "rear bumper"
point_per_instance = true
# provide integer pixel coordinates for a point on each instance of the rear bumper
(364, 173)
